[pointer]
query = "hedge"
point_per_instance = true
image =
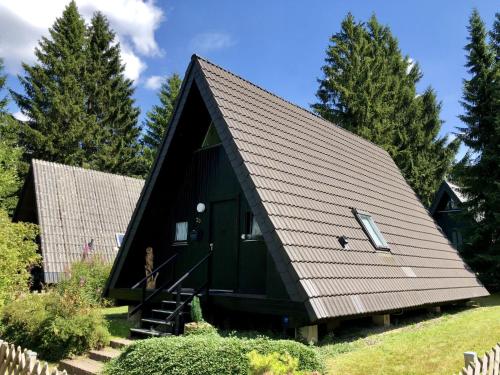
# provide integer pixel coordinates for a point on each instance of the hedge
(204, 355)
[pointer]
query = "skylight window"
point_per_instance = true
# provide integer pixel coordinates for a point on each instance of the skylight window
(371, 229)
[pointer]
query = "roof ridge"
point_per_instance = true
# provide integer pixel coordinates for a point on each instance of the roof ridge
(83, 169)
(195, 57)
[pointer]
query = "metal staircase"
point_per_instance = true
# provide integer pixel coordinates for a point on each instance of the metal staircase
(170, 316)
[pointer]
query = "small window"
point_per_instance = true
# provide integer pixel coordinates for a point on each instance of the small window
(211, 138)
(371, 229)
(181, 231)
(252, 229)
(119, 239)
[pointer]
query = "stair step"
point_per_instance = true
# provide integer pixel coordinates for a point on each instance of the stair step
(148, 332)
(167, 312)
(119, 343)
(156, 321)
(104, 355)
(81, 366)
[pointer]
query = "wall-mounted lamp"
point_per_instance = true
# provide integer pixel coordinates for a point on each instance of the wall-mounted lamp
(200, 207)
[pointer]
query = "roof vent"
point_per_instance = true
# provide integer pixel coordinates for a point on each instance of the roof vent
(344, 241)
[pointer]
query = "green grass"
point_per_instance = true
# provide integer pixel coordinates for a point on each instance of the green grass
(118, 324)
(432, 346)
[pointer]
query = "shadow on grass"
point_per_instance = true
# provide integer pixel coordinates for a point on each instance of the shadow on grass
(118, 324)
(350, 334)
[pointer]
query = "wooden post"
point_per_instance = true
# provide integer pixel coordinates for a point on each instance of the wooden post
(469, 358)
(308, 333)
(383, 320)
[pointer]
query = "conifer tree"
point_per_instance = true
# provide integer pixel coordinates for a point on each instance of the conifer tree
(369, 88)
(479, 172)
(114, 142)
(3, 99)
(54, 99)
(159, 117)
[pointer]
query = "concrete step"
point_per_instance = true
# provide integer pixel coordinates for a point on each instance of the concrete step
(81, 366)
(119, 343)
(104, 355)
(143, 332)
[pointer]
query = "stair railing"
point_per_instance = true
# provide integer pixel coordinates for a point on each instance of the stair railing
(177, 287)
(143, 283)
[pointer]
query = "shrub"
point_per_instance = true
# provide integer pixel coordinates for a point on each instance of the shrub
(56, 326)
(204, 355)
(18, 253)
(201, 328)
(196, 313)
(273, 363)
(86, 278)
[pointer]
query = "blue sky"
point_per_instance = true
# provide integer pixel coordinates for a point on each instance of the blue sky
(280, 45)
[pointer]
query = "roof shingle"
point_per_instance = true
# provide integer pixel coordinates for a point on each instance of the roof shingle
(309, 174)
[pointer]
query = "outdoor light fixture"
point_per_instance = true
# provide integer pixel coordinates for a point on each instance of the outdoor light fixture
(200, 207)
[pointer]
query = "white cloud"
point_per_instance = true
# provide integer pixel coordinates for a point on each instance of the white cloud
(207, 42)
(20, 116)
(154, 82)
(411, 64)
(24, 22)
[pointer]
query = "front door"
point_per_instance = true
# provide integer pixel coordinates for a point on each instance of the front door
(224, 236)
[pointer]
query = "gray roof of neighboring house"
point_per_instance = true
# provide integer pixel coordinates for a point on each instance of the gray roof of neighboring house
(302, 176)
(74, 206)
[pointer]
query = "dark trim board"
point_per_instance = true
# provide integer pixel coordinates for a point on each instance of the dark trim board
(254, 303)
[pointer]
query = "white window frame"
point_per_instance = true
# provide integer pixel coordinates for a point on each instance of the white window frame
(371, 229)
(181, 228)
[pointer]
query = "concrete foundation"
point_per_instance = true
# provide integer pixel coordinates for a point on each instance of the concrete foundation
(383, 320)
(434, 309)
(307, 333)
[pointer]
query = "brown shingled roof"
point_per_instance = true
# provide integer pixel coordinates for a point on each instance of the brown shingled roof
(303, 176)
(75, 206)
(309, 174)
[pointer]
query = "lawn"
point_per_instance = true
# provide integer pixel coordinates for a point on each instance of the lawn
(118, 324)
(432, 346)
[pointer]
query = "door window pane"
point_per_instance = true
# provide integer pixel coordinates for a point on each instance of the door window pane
(181, 231)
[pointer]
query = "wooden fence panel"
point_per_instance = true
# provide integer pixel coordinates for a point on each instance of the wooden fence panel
(15, 361)
(488, 365)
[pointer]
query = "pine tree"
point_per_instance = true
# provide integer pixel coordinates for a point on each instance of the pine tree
(479, 172)
(159, 117)
(54, 99)
(113, 145)
(369, 88)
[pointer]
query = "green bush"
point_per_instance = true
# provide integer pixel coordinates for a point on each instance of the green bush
(196, 313)
(204, 355)
(55, 326)
(86, 278)
(273, 363)
(18, 253)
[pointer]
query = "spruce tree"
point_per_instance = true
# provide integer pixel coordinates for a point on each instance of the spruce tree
(113, 144)
(159, 117)
(3, 99)
(479, 172)
(54, 99)
(369, 88)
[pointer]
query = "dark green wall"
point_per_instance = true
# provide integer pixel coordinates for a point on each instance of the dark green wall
(188, 176)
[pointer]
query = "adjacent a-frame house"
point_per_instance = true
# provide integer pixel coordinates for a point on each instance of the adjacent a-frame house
(447, 210)
(307, 221)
